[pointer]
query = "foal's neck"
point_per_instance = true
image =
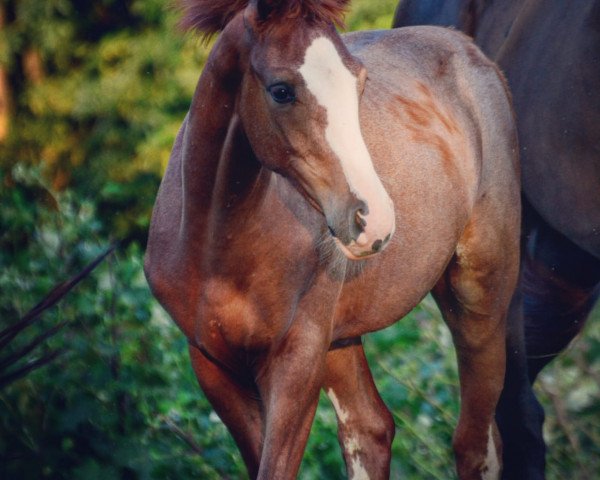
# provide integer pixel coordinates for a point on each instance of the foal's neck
(218, 165)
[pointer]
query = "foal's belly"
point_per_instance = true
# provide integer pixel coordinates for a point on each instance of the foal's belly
(249, 310)
(236, 320)
(432, 208)
(398, 279)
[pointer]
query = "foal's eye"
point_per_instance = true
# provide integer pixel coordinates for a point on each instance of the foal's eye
(282, 93)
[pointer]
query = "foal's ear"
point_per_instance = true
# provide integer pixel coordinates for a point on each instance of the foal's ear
(257, 12)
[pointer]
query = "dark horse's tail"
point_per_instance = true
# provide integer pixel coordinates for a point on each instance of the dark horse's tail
(7, 335)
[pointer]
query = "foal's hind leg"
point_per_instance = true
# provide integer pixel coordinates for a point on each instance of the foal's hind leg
(474, 295)
(365, 425)
(235, 404)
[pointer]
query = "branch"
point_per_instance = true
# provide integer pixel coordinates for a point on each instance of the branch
(185, 436)
(55, 295)
(8, 334)
(24, 370)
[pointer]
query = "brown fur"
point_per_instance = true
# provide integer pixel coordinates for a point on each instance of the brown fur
(211, 16)
(421, 116)
(238, 245)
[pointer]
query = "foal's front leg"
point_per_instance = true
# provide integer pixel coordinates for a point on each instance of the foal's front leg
(289, 379)
(365, 425)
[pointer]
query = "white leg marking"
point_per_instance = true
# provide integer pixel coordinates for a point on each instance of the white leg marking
(339, 410)
(335, 89)
(358, 471)
(352, 448)
(351, 445)
(491, 470)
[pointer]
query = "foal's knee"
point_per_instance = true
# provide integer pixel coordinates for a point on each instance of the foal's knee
(366, 441)
(374, 429)
(383, 429)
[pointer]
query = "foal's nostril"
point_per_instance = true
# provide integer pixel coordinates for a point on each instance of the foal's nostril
(331, 230)
(377, 244)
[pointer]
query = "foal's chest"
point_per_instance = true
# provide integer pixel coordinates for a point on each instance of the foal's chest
(240, 315)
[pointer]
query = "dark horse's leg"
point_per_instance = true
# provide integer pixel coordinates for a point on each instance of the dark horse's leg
(365, 425)
(558, 288)
(519, 415)
(560, 285)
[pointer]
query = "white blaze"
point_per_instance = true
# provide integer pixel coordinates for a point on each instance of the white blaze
(335, 89)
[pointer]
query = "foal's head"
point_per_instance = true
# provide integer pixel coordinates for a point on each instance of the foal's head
(299, 106)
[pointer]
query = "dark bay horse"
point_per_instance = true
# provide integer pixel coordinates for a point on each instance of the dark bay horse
(550, 52)
(319, 187)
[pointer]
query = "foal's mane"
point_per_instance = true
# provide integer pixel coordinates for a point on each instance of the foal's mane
(211, 16)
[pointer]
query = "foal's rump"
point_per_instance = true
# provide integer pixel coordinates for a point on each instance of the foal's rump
(433, 87)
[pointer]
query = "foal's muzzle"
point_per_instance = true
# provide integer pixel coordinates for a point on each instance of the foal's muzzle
(358, 232)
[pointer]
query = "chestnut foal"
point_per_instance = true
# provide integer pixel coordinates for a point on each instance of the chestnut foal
(272, 242)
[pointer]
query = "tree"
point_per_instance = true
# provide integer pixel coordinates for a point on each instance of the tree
(99, 90)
